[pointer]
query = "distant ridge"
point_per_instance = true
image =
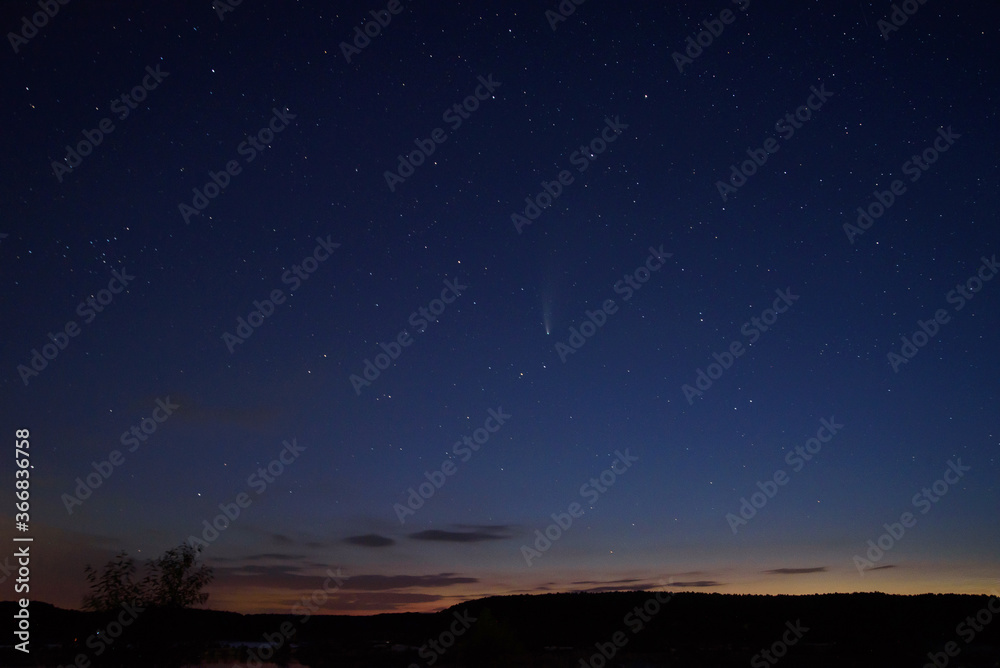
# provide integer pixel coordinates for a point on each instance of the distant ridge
(550, 629)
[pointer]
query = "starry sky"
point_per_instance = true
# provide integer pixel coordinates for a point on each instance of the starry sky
(504, 298)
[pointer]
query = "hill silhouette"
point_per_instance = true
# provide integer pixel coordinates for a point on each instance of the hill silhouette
(635, 629)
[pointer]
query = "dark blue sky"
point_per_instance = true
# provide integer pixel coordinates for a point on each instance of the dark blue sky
(227, 339)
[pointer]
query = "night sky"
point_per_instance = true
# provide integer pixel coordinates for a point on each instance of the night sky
(686, 295)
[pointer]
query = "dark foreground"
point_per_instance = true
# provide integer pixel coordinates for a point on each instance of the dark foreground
(633, 629)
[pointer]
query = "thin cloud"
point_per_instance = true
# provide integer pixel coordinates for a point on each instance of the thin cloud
(262, 571)
(610, 588)
(485, 533)
(370, 540)
(797, 571)
(386, 582)
(295, 577)
(260, 557)
(605, 582)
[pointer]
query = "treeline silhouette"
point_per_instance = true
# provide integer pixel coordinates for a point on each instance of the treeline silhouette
(689, 629)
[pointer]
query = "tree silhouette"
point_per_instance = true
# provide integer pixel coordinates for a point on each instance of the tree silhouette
(171, 581)
(114, 586)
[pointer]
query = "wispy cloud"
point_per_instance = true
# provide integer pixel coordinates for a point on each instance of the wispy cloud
(605, 582)
(796, 571)
(385, 582)
(261, 557)
(370, 540)
(299, 578)
(478, 534)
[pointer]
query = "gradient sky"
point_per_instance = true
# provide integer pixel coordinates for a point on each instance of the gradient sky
(641, 148)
